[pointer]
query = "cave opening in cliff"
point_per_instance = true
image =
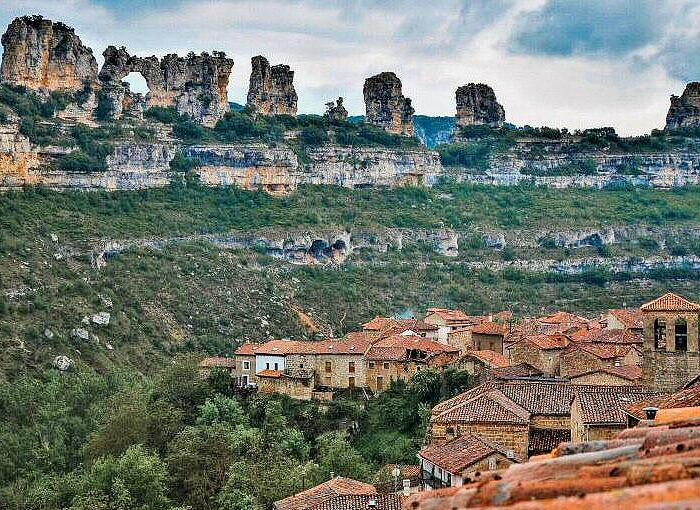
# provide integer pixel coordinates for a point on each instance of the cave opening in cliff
(319, 249)
(137, 83)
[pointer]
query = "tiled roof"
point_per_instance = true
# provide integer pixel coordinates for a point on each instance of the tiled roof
(375, 353)
(546, 440)
(490, 328)
(562, 318)
(606, 407)
(247, 349)
(513, 371)
(378, 323)
(361, 502)
(489, 407)
(547, 342)
(311, 498)
(361, 336)
(396, 347)
(384, 324)
(630, 317)
(492, 358)
(284, 347)
(270, 373)
(601, 350)
(450, 315)
(612, 336)
(649, 468)
(670, 302)
(217, 361)
(460, 453)
(689, 397)
(629, 372)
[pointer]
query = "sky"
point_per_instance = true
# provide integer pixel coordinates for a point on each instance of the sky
(560, 63)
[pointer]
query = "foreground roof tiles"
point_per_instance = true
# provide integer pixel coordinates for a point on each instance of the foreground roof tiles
(670, 302)
(647, 468)
(458, 454)
(361, 502)
(514, 371)
(315, 496)
(689, 397)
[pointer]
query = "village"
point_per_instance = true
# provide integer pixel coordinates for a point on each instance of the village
(547, 387)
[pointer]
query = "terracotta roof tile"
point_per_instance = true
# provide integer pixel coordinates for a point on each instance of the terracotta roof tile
(361, 502)
(547, 342)
(630, 317)
(546, 440)
(378, 324)
(689, 397)
(670, 302)
(270, 373)
(284, 347)
(514, 371)
(218, 361)
(491, 358)
(606, 407)
(460, 453)
(602, 351)
(326, 491)
(490, 328)
(247, 349)
(629, 372)
(450, 315)
(562, 318)
(613, 336)
(490, 407)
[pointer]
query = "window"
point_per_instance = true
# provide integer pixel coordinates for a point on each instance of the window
(267, 366)
(351, 367)
(328, 366)
(371, 364)
(244, 380)
(328, 380)
(492, 463)
(351, 382)
(660, 334)
(380, 383)
(386, 365)
(277, 366)
(681, 334)
(246, 365)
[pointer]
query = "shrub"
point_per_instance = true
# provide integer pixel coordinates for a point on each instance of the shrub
(314, 136)
(162, 114)
(189, 131)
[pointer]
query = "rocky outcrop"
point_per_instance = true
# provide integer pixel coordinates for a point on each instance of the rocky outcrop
(336, 111)
(46, 56)
(685, 110)
(477, 105)
(195, 85)
(271, 90)
(385, 105)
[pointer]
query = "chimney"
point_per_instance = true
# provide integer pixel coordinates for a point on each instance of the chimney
(651, 412)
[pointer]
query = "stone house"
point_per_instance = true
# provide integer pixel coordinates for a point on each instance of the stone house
(447, 321)
(598, 415)
(488, 336)
(479, 363)
(244, 370)
(629, 375)
(297, 383)
(671, 356)
(461, 339)
(455, 462)
(400, 357)
(588, 356)
(540, 351)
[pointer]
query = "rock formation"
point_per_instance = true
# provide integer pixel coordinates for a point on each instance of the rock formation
(271, 90)
(194, 85)
(685, 110)
(336, 111)
(477, 105)
(46, 56)
(386, 106)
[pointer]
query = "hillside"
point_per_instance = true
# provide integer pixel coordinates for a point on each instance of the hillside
(201, 269)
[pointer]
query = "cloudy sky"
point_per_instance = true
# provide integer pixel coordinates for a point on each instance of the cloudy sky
(551, 62)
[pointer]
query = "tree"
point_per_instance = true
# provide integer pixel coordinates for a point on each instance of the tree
(335, 455)
(221, 409)
(234, 499)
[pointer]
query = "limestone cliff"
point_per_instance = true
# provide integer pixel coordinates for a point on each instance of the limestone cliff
(386, 106)
(685, 110)
(42, 55)
(271, 89)
(477, 105)
(194, 85)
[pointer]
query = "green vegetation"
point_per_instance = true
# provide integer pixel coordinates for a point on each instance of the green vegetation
(586, 166)
(176, 440)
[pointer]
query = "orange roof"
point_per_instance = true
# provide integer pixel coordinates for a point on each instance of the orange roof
(247, 349)
(218, 361)
(492, 358)
(689, 397)
(490, 328)
(547, 342)
(664, 416)
(450, 315)
(378, 324)
(629, 372)
(601, 350)
(270, 373)
(619, 336)
(670, 302)
(562, 318)
(284, 347)
(326, 491)
(630, 317)
(396, 348)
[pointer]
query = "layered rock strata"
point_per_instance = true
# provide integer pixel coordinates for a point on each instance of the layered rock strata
(477, 105)
(194, 85)
(386, 106)
(45, 56)
(271, 89)
(685, 110)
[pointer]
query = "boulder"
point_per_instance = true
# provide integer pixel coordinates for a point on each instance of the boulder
(62, 363)
(271, 89)
(101, 318)
(477, 105)
(496, 241)
(46, 56)
(80, 333)
(385, 105)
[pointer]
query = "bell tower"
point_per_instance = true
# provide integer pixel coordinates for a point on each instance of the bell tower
(671, 354)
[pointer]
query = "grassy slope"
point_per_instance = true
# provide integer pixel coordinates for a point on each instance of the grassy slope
(197, 297)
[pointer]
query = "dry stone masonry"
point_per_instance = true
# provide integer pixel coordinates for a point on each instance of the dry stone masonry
(386, 106)
(194, 85)
(45, 56)
(271, 90)
(685, 110)
(477, 105)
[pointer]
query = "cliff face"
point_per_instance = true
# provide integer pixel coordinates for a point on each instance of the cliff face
(271, 90)
(685, 110)
(194, 85)
(386, 106)
(42, 55)
(477, 105)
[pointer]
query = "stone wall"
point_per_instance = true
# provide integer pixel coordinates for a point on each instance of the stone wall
(603, 379)
(300, 389)
(546, 361)
(483, 342)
